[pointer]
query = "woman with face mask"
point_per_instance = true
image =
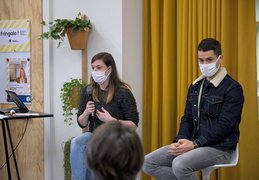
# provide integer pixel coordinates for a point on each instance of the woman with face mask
(105, 99)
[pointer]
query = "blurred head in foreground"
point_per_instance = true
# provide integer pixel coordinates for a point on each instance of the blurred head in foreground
(115, 152)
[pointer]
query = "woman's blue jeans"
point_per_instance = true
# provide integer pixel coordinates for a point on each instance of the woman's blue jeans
(164, 166)
(78, 160)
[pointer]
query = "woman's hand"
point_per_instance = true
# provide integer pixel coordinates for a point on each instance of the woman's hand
(90, 108)
(83, 119)
(104, 116)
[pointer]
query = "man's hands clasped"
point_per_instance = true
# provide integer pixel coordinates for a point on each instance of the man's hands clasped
(180, 147)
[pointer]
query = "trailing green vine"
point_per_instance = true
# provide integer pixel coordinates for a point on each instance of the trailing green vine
(66, 97)
(66, 163)
(58, 28)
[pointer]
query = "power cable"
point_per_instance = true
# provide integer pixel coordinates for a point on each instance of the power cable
(16, 145)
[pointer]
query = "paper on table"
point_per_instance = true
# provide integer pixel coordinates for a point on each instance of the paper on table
(2, 116)
(26, 114)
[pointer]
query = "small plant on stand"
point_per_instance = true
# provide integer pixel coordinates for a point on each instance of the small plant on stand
(70, 95)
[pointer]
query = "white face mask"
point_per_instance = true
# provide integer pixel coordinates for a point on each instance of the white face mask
(99, 76)
(210, 69)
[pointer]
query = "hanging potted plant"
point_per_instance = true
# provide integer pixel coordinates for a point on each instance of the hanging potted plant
(77, 31)
(70, 95)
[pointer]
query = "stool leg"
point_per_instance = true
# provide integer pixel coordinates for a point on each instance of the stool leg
(206, 172)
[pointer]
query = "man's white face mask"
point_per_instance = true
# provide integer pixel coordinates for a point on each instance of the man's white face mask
(210, 69)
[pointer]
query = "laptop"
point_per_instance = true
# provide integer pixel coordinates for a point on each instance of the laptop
(21, 106)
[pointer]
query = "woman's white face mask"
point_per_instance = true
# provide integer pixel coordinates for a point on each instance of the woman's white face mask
(210, 69)
(99, 76)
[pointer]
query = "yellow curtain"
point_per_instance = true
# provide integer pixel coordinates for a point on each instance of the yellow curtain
(172, 31)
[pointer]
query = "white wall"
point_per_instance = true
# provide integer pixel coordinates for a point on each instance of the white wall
(257, 38)
(117, 28)
(257, 47)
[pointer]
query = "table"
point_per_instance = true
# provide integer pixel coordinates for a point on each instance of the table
(4, 121)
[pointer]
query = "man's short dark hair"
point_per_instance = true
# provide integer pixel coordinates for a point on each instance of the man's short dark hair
(210, 44)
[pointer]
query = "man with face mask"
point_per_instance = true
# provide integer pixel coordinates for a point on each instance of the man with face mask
(209, 129)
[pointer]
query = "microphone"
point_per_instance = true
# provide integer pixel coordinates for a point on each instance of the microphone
(89, 90)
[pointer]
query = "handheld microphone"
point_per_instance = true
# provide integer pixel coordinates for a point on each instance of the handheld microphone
(89, 90)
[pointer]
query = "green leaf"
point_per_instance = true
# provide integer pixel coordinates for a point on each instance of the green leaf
(57, 28)
(66, 96)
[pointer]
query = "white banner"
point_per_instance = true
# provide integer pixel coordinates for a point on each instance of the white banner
(14, 36)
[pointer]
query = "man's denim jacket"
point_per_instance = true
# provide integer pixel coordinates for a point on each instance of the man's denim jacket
(216, 124)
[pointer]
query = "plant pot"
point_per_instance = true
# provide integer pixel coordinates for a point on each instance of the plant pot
(77, 40)
(74, 98)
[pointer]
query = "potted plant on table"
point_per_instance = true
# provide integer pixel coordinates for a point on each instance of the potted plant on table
(70, 94)
(77, 31)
